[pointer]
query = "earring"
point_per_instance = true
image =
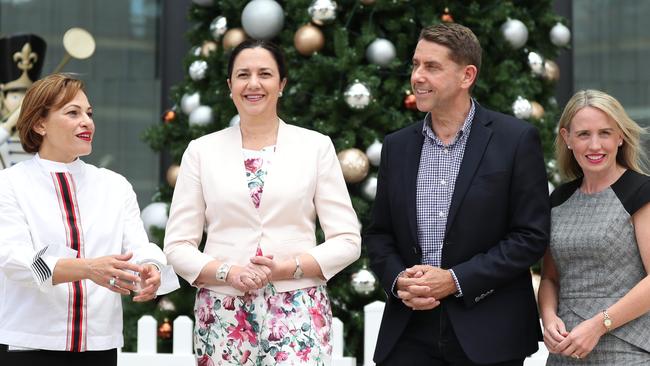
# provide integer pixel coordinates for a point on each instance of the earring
(620, 143)
(230, 95)
(568, 147)
(280, 94)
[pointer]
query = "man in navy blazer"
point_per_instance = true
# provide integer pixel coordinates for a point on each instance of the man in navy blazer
(460, 215)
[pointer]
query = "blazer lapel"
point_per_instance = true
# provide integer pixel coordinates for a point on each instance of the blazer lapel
(275, 174)
(411, 167)
(479, 137)
(233, 158)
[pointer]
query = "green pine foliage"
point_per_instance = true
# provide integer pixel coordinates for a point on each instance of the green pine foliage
(314, 94)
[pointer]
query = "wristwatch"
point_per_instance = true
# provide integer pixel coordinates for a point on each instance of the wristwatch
(298, 273)
(222, 272)
(607, 321)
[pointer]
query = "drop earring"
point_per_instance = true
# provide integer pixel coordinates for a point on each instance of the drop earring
(280, 94)
(230, 95)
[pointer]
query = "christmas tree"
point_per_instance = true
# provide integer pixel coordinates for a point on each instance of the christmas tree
(349, 68)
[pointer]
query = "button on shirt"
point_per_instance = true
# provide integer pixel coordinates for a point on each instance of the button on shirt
(439, 166)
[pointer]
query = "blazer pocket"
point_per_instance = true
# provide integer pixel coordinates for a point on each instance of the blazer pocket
(492, 178)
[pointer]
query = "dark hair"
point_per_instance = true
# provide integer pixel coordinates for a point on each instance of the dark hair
(464, 47)
(275, 51)
(50, 93)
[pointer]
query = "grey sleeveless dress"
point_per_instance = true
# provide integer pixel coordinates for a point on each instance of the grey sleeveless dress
(598, 261)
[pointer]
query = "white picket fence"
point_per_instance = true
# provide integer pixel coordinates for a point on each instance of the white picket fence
(183, 352)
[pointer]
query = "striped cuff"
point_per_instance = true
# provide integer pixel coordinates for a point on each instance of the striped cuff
(460, 291)
(392, 289)
(40, 269)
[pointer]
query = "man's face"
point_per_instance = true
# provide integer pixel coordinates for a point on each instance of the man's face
(436, 80)
(12, 101)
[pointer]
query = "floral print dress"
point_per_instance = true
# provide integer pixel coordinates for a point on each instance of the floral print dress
(263, 327)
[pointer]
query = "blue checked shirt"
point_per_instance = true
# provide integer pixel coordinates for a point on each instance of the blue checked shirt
(439, 165)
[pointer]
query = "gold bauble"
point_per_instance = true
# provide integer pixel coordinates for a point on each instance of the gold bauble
(165, 329)
(308, 39)
(208, 47)
(354, 164)
(551, 71)
(538, 110)
(233, 38)
(172, 175)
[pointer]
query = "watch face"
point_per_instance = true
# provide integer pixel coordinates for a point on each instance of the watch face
(607, 322)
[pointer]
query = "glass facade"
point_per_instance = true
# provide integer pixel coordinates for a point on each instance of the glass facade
(122, 76)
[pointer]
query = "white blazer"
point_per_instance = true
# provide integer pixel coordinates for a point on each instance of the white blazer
(304, 182)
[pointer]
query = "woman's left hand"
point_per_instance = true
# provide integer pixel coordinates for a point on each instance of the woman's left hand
(150, 282)
(583, 338)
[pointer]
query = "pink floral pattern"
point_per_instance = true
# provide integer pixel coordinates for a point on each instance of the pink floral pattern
(256, 164)
(263, 327)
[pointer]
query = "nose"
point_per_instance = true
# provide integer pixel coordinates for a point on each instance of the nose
(416, 74)
(253, 82)
(87, 120)
(594, 142)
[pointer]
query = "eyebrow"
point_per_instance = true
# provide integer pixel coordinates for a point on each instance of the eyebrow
(248, 69)
(76, 106)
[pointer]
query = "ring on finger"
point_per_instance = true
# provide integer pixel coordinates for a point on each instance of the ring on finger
(112, 281)
(575, 355)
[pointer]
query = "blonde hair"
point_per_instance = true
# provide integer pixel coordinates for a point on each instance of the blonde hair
(630, 155)
(50, 93)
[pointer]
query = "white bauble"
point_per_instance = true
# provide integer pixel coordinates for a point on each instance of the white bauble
(522, 108)
(198, 69)
(262, 19)
(218, 27)
(560, 35)
(154, 215)
(374, 152)
(536, 63)
(201, 116)
(357, 95)
(381, 52)
(322, 11)
(515, 33)
(364, 282)
(189, 102)
(369, 188)
(234, 121)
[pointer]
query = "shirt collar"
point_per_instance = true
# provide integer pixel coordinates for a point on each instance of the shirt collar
(463, 132)
(74, 168)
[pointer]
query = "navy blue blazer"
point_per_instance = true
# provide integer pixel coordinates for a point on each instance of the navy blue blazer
(498, 226)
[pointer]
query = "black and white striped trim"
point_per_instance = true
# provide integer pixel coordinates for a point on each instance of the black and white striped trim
(40, 268)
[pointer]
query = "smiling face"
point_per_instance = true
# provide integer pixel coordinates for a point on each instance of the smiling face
(255, 84)
(594, 139)
(436, 80)
(68, 131)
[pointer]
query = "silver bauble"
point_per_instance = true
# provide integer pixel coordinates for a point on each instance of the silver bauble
(560, 35)
(201, 116)
(357, 95)
(363, 282)
(198, 70)
(522, 108)
(515, 33)
(234, 121)
(190, 102)
(369, 188)
(204, 3)
(165, 304)
(218, 27)
(536, 63)
(381, 52)
(262, 19)
(322, 11)
(154, 215)
(374, 152)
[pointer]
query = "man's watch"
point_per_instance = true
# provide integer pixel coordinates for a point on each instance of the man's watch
(222, 272)
(607, 321)
(298, 273)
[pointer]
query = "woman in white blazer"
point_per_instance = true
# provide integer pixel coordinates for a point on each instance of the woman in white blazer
(257, 189)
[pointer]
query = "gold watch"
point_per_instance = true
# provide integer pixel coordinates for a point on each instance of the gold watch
(607, 321)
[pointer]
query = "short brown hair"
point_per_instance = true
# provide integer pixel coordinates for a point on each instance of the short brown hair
(464, 47)
(50, 93)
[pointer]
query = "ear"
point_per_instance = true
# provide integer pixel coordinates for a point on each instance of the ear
(470, 72)
(565, 135)
(283, 83)
(39, 127)
(229, 84)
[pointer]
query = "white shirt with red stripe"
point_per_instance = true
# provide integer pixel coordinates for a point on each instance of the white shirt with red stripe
(49, 211)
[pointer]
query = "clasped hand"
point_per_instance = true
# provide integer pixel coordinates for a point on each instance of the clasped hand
(117, 274)
(254, 275)
(421, 287)
(577, 343)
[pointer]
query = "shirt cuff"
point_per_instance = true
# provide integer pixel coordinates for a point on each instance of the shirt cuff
(392, 289)
(460, 291)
